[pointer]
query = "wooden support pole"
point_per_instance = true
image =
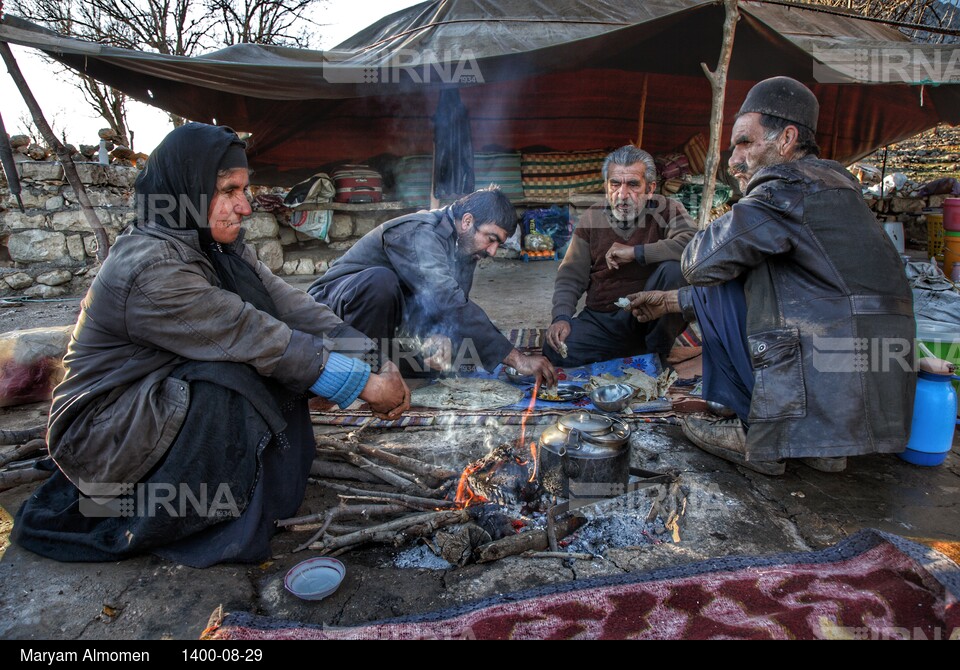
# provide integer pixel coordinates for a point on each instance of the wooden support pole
(718, 84)
(643, 112)
(69, 168)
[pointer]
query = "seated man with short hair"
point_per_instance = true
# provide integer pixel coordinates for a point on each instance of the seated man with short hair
(632, 243)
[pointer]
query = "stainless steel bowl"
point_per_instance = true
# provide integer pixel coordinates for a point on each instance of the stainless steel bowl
(612, 397)
(517, 378)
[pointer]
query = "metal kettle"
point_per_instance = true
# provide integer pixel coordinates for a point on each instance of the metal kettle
(586, 455)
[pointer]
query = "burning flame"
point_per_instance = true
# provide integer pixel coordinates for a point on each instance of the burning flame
(523, 430)
(465, 495)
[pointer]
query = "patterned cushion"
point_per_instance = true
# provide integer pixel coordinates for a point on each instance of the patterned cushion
(558, 173)
(414, 176)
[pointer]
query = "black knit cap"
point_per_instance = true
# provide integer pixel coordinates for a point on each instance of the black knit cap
(784, 98)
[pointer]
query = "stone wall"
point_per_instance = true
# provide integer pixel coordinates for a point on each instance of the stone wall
(49, 250)
(908, 211)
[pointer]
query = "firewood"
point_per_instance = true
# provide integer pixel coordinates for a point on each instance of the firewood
(431, 472)
(365, 494)
(21, 452)
(21, 436)
(532, 540)
(394, 531)
(382, 472)
(346, 513)
(339, 470)
(9, 480)
(557, 554)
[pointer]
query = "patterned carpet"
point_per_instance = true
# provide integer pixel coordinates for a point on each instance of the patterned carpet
(871, 586)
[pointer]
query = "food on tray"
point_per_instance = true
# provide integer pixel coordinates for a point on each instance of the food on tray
(623, 303)
(563, 350)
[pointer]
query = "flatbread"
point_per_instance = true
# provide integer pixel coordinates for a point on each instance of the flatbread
(466, 393)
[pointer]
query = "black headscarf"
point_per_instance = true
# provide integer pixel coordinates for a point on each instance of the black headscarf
(175, 190)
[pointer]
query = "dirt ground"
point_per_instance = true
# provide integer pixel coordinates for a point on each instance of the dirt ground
(730, 511)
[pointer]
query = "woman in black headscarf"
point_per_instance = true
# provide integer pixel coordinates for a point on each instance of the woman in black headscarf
(181, 426)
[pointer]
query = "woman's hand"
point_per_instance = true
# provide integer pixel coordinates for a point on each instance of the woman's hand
(386, 393)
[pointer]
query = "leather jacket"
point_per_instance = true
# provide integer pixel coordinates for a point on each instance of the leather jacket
(829, 321)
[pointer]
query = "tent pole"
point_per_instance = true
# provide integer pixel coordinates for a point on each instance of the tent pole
(69, 168)
(718, 84)
(643, 112)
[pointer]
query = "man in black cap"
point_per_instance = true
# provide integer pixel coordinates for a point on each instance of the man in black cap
(806, 313)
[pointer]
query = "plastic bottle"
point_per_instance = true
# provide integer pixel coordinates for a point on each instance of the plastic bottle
(934, 420)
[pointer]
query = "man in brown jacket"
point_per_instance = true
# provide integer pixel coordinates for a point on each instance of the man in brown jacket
(632, 243)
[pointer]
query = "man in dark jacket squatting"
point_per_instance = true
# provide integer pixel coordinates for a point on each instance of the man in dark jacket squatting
(411, 277)
(806, 313)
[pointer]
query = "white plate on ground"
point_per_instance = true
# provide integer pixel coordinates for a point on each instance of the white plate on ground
(315, 578)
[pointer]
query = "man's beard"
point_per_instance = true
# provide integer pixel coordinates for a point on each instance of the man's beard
(624, 211)
(466, 249)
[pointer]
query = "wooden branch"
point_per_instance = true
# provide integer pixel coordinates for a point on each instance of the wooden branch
(339, 470)
(21, 436)
(24, 450)
(345, 513)
(532, 540)
(69, 168)
(380, 471)
(431, 503)
(392, 531)
(14, 478)
(558, 554)
(718, 84)
(431, 472)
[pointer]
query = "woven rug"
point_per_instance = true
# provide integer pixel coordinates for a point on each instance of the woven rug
(871, 586)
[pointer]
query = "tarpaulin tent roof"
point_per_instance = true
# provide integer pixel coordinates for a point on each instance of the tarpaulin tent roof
(566, 75)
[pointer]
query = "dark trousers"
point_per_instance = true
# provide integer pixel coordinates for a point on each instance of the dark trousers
(727, 369)
(370, 300)
(601, 336)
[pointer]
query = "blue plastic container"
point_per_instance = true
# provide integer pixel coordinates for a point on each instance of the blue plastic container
(934, 420)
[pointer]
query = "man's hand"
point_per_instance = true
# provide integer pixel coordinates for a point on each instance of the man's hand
(620, 254)
(387, 393)
(651, 305)
(557, 335)
(536, 366)
(437, 351)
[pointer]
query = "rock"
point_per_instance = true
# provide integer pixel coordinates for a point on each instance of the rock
(55, 278)
(89, 150)
(36, 152)
(304, 267)
(93, 174)
(17, 141)
(72, 220)
(110, 135)
(364, 224)
(342, 227)
(340, 246)
(261, 226)
(937, 200)
(270, 254)
(35, 246)
(320, 267)
(17, 220)
(122, 153)
(18, 281)
(55, 202)
(287, 235)
(72, 150)
(45, 292)
(90, 245)
(289, 268)
(75, 247)
(51, 171)
(908, 205)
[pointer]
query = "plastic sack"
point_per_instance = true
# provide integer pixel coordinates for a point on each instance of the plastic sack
(538, 242)
(315, 223)
(31, 364)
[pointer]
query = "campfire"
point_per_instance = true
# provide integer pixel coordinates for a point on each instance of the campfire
(495, 507)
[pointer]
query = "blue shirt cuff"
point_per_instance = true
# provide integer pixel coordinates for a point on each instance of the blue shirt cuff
(640, 254)
(562, 317)
(342, 380)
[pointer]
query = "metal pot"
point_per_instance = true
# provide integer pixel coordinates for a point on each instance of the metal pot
(585, 455)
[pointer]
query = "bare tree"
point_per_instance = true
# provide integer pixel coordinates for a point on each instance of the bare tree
(169, 27)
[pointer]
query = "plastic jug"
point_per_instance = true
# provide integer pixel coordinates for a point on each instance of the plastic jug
(934, 420)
